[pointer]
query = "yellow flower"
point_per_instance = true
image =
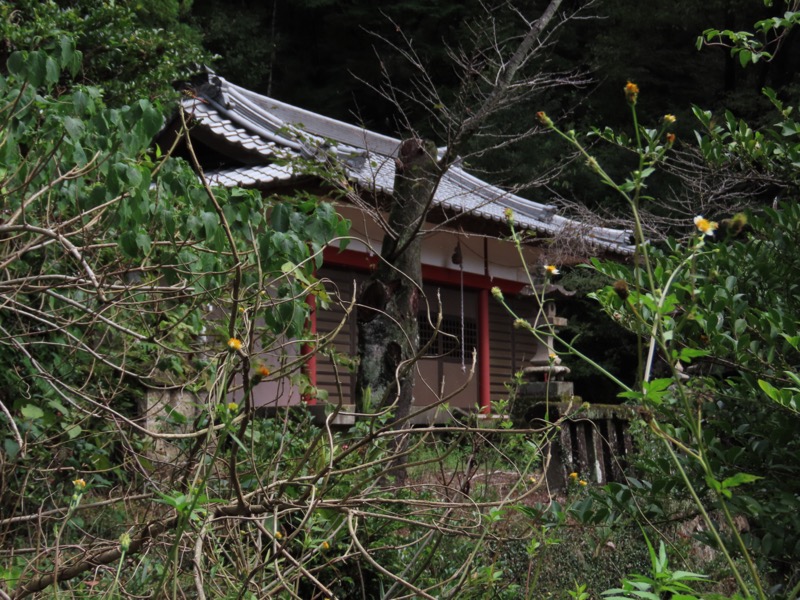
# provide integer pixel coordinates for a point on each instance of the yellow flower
(573, 475)
(263, 371)
(582, 482)
(235, 344)
(325, 546)
(669, 119)
(705, 226)
(551, 270)
(498, 295)
(631, 92)
(79, 484)
(278, 535)
(509, 214)
(233, 407)
(532, 479)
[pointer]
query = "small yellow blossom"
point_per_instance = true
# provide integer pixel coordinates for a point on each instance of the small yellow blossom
(552, 356)
(263, 371)
(79, 484)
(235, 344)
(551, 270)
(278, 535)
(532, 479)
(705, 226)
(325, 546)
(498, 295)
(631, 92)
(582, 482)
(573, 475)
(509, 214)
(233, 407)
(669, 119)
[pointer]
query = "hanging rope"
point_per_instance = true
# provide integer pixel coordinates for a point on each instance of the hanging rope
(463, 342)
(458, 258)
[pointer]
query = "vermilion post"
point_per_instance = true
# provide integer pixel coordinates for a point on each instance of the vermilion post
(484, 387)
(310, 367)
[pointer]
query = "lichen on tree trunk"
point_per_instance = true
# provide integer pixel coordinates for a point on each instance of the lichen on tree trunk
(388, 335)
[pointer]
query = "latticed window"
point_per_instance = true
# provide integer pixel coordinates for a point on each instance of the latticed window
(448, 343)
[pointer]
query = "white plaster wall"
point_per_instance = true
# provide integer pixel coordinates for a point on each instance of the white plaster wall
(504, 259)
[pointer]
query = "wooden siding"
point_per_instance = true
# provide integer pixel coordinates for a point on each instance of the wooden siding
(340, 287)
(509, 348)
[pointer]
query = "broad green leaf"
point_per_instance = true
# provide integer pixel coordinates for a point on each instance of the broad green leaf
(29, 411)
(52, 72)
(73, 430)
(143, 242)
(11, 447)
(128, 244)
(739, 479)
(16, 63)
(687, 354)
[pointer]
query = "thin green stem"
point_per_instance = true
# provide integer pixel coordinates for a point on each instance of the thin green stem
(707, 519)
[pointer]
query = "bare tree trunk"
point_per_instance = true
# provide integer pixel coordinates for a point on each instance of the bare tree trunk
(388, 336)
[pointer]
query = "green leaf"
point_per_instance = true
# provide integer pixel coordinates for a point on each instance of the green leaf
(151, 120)
(80, 100)
(128, 244)
(687, 354)
(74, 127)
(745, 56)
(52, 72)
(73, 430)
(739, 479)
(11, 447)
(29, 411)
(67, 50)
(143, 242)
(280, 218)
(16, 63)
(210, 223)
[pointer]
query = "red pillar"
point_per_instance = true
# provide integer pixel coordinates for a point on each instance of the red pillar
(310, 368)
(484, 387)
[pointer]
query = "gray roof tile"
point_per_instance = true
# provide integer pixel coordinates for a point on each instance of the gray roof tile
(275, 129)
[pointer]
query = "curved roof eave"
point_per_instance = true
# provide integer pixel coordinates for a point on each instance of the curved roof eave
(275, 130)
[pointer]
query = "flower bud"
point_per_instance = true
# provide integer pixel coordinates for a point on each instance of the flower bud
(621, 288)
(631, 93)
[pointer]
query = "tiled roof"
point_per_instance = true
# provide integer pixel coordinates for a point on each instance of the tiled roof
(274, 131)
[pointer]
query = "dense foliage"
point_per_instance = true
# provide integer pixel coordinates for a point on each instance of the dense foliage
(132, 49)
(716, 314)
